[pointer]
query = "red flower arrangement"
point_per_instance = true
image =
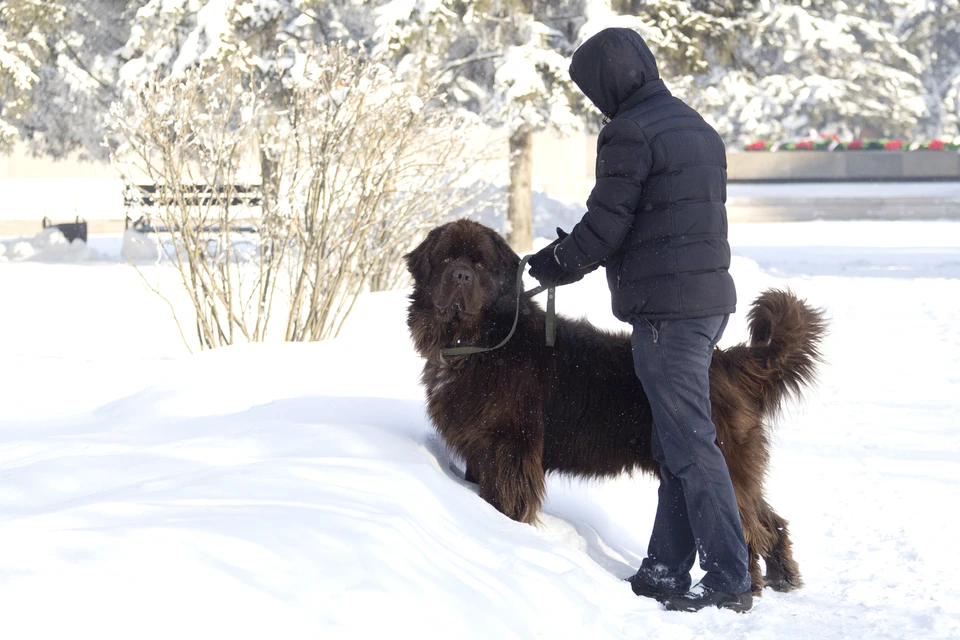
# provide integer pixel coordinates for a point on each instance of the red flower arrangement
(831, 143)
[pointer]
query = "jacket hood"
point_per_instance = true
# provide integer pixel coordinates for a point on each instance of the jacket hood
(612, 66)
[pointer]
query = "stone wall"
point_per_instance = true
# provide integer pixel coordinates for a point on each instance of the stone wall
(843, 166)
(804, 201)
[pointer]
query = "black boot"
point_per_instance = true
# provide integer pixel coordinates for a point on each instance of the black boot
(702, 596)
(642, 588)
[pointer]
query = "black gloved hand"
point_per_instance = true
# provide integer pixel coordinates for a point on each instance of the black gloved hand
(545, 268)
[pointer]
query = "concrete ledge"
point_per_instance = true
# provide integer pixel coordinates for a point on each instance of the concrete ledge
(799, 201)
(930, 164)
(773, 210)
(845, 166)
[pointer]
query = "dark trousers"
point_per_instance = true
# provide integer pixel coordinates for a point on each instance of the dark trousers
(697, 510)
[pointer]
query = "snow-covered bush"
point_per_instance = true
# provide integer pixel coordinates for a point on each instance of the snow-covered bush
(360, 165)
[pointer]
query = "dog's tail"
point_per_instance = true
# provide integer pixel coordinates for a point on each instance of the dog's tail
(785, 338)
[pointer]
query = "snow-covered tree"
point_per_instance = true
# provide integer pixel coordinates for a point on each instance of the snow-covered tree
(780, 68)
(689, 37)
(506, 60)
(57, 72)
(21, 48)
(758, 68)
(822, 66)
(931, 30)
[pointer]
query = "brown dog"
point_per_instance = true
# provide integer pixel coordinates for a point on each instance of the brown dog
(517, 412)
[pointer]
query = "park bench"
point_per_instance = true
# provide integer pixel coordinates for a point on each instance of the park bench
(147, 197)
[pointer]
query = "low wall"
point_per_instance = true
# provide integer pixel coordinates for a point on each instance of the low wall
(799, 201)
(842, 166)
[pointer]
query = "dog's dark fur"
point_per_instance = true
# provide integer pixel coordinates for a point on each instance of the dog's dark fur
(577, 408)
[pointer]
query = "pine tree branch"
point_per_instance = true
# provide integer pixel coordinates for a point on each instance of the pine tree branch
(454, 64)
(83, 67)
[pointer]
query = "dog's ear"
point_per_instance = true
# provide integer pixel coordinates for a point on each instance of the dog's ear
(509, 260)
(418, 260)
(509, 263)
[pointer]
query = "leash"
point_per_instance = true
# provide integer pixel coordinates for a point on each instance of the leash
(551, 324)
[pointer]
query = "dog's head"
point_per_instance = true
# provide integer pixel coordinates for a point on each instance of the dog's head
(460, 271)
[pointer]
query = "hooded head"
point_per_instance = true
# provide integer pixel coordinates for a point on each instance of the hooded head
(611, 67)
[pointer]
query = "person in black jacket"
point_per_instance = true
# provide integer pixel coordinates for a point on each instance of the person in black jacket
(657, 221)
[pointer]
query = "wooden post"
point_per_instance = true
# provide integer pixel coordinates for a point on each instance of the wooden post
(520, 202)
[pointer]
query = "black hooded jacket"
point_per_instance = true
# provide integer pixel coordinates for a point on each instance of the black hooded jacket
(656, 218)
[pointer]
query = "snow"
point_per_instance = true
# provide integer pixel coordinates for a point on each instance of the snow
(209, 36)
(601, 16)
(896, 249)
(519, 75)
(15, 59)
(49, 245)
(298, 490)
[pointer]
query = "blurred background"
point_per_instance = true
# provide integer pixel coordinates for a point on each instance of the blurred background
(854, 91)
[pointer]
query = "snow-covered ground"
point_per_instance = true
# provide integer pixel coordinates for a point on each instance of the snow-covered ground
(298, 491)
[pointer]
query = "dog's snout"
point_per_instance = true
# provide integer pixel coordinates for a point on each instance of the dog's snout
(462, 275)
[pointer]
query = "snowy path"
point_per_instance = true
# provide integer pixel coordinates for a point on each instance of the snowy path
(297, 491)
